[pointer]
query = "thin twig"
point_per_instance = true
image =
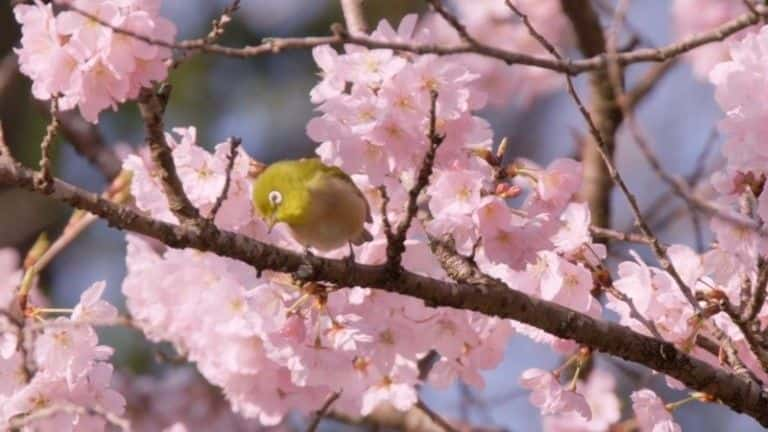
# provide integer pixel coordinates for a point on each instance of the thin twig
(396, 239)
(757, 300)
(218, 26)
(633, 311)
(732, 355)
(454, 22)
(43, 413)
(152, 106)
(45, 177)
(435, 417)
(692, 179)
(323, 411)
(607, 233)
(77, 223)
(234, 144)
(341, 37)
(658, 249)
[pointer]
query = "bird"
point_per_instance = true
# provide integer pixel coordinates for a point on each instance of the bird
(321, 204)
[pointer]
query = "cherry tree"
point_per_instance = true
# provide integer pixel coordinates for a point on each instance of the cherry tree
(472, 245)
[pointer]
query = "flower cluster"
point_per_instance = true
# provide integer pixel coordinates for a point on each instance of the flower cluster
(61, 380)
(493, 23)
(696, 16)
(274, 345)
(72, 57)
(735, 83)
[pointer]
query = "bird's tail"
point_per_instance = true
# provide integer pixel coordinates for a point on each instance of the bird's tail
(364, 237)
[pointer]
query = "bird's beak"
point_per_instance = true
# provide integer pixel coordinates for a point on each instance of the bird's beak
(270, 224)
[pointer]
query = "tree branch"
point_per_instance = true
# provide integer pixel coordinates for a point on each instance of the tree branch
(354, 16)
(597, 186)
(152, 106)
(45, 177)
(234, 144)
(323, 411)
(396, 239)
(341, 37)
(490, 297)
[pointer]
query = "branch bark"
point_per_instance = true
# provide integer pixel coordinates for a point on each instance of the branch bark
(489, 297)
(354, 16)
(597, 186)
(152, 106)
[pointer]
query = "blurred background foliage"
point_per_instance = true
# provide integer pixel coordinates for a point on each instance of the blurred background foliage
(265, 101)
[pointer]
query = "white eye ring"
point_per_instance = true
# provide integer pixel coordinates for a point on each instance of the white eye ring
(275, 198)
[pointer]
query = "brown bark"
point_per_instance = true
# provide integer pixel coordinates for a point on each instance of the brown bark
(597, 186)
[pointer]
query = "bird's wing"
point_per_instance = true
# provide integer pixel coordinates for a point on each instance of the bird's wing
(340, 174)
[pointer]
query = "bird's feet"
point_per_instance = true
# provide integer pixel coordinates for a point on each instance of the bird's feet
(306, 270)
(350, 259)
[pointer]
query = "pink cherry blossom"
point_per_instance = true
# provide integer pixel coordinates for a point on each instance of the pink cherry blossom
(550, 397)
(651, 413)
(493, 23)
(697, 16)
(599, 392)
(87, 64)
(566, 283)
(69, 368)
(92, 309)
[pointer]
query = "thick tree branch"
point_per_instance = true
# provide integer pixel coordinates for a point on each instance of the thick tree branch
(658, 249)
(596, 190)
(489, 297)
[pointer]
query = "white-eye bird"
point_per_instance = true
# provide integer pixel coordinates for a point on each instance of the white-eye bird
(320, 204)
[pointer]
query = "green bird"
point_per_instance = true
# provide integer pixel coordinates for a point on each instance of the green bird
(320, 204)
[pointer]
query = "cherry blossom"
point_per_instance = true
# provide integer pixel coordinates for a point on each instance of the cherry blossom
(84, 64)
(493, 23)
(70, 369)
(264, 345)
(651, 413)
(552, 398)
(697, 16)
(599, 392)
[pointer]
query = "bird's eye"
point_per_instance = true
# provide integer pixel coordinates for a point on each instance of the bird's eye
(275, 198)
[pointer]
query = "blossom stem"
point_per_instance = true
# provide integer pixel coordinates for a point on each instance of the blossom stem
(672, 406)
(53, 310)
